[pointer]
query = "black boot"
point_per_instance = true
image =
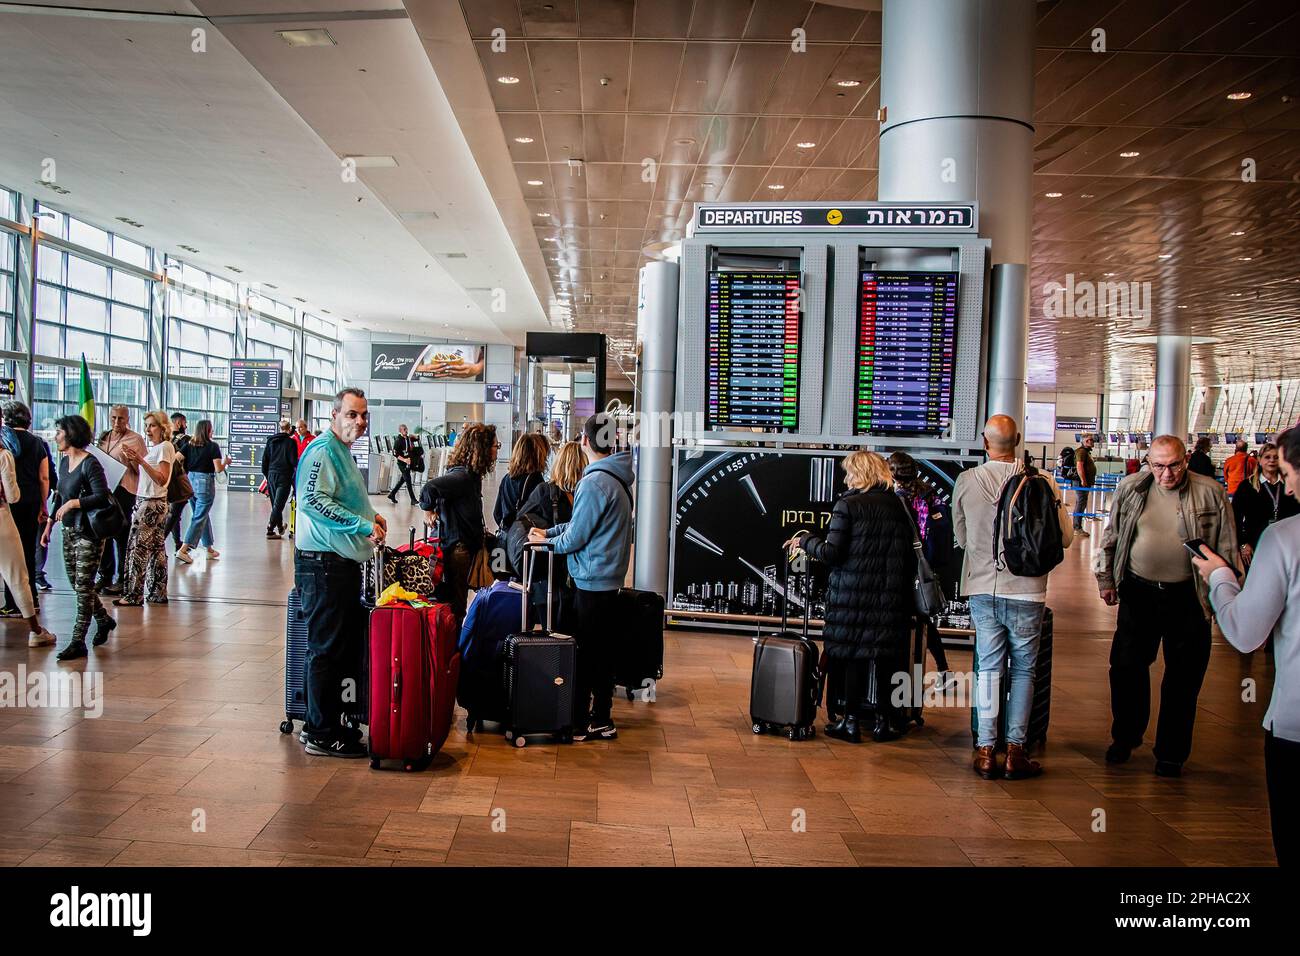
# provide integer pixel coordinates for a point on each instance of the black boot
(846, 730)
(74, 651)
(103, 627)
(881, 730)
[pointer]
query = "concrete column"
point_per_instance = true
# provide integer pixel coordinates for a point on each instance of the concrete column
(1173, 384)
(657, 383)
(957, 85)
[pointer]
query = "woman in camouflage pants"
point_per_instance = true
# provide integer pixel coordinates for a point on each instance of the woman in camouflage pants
(81, 488)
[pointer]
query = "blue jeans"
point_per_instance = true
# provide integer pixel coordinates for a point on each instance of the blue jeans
(1003, 628)
(200, 530)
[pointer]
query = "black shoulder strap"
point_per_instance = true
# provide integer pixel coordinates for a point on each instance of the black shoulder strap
(627, 490)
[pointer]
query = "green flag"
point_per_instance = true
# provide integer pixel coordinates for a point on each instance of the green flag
(87, 395)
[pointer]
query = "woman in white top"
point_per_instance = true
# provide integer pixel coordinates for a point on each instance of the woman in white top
(1269, 605)
(146, 551)
(13, 566)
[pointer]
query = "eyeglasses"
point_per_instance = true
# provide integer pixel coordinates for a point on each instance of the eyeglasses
(1175, 466)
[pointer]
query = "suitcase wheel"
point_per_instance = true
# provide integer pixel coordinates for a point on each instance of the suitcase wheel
(374, 763)
(521, 741)
(920, 721)
(758, 727)
(631, 694)
(566, 738)
(286, 726)
(794, 733)
(510, 735)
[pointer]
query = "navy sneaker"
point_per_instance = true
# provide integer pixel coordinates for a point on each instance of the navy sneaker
(605, 731)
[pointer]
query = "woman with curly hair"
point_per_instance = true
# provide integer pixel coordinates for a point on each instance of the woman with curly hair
(454, 503)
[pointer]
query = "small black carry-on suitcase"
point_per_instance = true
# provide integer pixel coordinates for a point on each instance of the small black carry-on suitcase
(1040, 708)
(640, 660)
(538, 671)
(787, 682)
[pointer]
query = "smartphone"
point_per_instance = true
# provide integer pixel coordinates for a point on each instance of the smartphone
(1194, 546)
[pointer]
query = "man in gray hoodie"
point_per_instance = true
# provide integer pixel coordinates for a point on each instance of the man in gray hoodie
(1006, 609)
(598, 542)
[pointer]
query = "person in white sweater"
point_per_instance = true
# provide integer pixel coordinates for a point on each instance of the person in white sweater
(13, 566)
(1269, 606)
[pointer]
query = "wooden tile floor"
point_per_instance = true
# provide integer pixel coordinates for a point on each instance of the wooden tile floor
(186, 766)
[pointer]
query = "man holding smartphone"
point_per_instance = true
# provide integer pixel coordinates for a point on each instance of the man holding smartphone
(1145, 567)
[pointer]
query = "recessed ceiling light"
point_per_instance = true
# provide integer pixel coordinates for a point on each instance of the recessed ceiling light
(849, 83)
(1053, 195)
(535, 182)
(318, 36)
(1087, 195)
(544, 215)
(1165, 255)
(523, 139)
(1129, 154)
(707, 185)
(372, 162)
(1108, 274)
(809, 144)
(1239, 232)
(508, 80)
(1243, 95)
(775, 186)
(1245, 258)
(1182, 307)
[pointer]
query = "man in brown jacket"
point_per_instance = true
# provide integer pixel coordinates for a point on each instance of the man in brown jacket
(1143, 566)
(1087, 475)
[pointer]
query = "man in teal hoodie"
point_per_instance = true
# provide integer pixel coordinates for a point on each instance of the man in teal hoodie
(337, 531)
(598, 541)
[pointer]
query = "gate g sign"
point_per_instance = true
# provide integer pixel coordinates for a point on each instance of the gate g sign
(499, 393)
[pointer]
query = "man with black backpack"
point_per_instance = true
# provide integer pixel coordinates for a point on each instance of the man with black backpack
(1013, 527)
(598, 541)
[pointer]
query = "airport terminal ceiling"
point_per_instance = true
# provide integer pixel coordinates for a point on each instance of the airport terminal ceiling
(1138, 156)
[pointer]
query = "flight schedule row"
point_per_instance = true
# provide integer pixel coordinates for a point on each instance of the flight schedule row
(752, 350)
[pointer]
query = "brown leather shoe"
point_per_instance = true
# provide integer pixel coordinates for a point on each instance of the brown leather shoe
(1019, 766)
(986, 763)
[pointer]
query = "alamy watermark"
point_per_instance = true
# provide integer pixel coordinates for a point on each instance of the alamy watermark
(60, 690)
(1098, 300)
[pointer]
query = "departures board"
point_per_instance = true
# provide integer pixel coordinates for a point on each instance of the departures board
(906, 353)
(752, 350)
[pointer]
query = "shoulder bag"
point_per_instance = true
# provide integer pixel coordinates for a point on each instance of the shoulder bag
(930, 599)
(179, 488)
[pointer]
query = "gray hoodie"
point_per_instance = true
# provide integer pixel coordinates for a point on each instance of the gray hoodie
(974, 506)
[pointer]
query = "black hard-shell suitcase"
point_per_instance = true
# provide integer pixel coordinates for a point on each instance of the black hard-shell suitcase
(786, 685)
(538, 672)
(1041, 707)
(640, 656)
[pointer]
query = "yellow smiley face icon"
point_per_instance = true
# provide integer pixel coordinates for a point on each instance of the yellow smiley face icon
(835, 217)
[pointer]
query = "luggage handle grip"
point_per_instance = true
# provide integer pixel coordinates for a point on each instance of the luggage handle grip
(529, 548)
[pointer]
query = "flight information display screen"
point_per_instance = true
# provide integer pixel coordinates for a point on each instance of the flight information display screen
(907, 330)
(753, 350)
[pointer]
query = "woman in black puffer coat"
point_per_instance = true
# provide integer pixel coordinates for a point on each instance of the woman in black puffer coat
(870, 598)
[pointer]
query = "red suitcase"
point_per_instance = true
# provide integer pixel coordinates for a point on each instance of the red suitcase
(414, 669)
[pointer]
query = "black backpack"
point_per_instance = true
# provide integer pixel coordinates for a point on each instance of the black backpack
(1067, 465)
(1026, 529)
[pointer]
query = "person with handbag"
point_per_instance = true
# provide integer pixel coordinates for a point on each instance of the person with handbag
(550, 503)
(127, 446)
(202, 463)
(523, 475)
(13, 557)
(176, 505)
(454, 503)
(90, 515)
(870, 597)
(146, 549)
(407, 451)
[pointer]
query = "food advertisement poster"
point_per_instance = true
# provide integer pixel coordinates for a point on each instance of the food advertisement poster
(426, 362)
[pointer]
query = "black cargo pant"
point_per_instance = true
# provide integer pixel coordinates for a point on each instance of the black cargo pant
(596, 627)
(1149, 614)
(405, 472)
(110, 570)
(25, 515)
(337, 634)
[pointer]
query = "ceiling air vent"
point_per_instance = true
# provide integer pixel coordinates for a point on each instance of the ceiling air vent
(454, 255)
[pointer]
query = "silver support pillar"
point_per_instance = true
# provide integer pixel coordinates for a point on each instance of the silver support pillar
(657, 382)
(1008, 340)
(957, 87)
(1173, 384)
